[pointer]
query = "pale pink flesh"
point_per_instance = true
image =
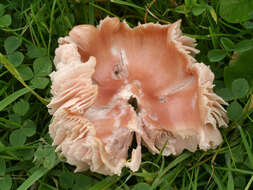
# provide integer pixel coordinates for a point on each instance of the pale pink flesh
(151, 63)
(159, 66)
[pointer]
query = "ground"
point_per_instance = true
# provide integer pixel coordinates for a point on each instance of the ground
(29, 30)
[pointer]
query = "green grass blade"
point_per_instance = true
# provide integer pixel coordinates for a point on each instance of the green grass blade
(215, 176)
(249, 184)
(105, 183)
(11, 98)
(120, 2)
(51, 26)
(246, 145)
(196, 176)
(247, 172)
(171, 176)
(91, 13)
(102, 9)
(230, 183)
(5, 122)
(172, 164)
(10, 67)
(48, 187)
(33, 178)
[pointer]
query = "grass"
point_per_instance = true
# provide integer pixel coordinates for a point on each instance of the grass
(28, 37)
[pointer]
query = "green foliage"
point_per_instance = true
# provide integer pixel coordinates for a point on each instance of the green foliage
(2, 167)
(226, 94)
(42, 66)
(240, 67)
(21, 107)
(216, 55)
(16, 58)
(29, 128)
(236, 11)
(141, 186)
(17, 138)
(66, 180)
(28, 36)
(11, 44)
(5, 21)
(227, 44)
(82, 182)
(198, 10)
(234, 111)
(25, 72)
(240, 88)
(5, 183)
(36, 52)
(46, 156)
(39, 82)
(243, 46)
(2, 9)
(11, 98)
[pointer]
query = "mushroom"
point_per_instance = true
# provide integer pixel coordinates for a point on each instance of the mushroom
(114, 83)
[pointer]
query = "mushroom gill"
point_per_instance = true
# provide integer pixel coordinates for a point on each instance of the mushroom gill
(113, 82)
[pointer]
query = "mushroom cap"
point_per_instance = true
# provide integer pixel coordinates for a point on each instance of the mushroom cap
(113, 82)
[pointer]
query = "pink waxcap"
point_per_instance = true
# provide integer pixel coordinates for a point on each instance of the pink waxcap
(114, 83)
